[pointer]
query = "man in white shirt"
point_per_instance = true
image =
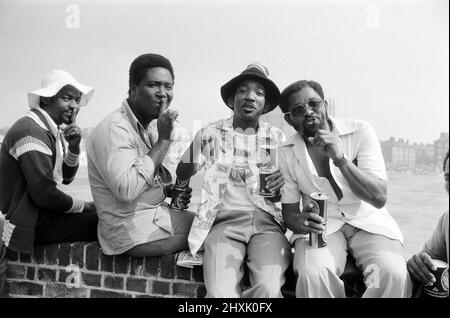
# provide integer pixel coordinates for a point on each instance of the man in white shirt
(356, 185)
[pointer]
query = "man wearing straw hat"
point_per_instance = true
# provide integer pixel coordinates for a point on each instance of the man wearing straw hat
(34, 160)
(235, 223)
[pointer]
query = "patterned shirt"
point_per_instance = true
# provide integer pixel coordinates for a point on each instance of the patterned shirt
(229, 159)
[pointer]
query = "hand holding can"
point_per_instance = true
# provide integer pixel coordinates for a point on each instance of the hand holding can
(181, 195)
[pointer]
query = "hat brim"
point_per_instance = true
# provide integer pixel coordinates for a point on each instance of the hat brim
(51, 90)
(272, 91)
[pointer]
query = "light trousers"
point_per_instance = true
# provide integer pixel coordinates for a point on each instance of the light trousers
(252, 237)
(378, 257)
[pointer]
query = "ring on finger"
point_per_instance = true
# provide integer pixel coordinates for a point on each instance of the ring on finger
(306, 223)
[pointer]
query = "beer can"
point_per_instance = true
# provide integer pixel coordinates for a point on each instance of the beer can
(268, 164)
(320, 202)
(263, 191)
(439, 289)
(180, 186)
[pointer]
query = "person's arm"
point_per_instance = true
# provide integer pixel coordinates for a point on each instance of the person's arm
(367, 180)
(193, 158)
(420, 266)
(35, 159)
(72, 134)
(126, 172)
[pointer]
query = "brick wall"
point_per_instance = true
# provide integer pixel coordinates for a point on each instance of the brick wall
(81, 270)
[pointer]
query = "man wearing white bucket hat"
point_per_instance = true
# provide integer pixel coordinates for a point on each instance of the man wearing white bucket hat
(34, 160)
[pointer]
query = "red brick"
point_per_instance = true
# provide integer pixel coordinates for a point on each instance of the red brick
(113, 282)
(51, 254)
(12, 256)
(160, 287)
(106, 263)
(25, 288)
(15, 271)
(31, 273)
(137, 266)
(63, 254)
(63, 275)
(201, 291)
(92, 279)
(38, 254)
(77, 292)
(25, 258)
(121, 264)
(46, 274)
(55, 290)
(183, 273)
(62, 290)
(136, 284)
(76, 254)
(151, 266)
(197, 274)
(92, 251)
(98, 293)
(168, 266)
(184, 289)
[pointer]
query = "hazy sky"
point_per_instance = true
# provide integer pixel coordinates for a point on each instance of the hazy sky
(383, 61)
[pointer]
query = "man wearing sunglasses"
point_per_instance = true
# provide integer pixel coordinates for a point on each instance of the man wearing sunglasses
(343, 160)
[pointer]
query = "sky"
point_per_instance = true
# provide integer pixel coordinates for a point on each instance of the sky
(386, 62)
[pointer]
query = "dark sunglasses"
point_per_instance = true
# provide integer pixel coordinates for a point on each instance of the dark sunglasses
(300, 109)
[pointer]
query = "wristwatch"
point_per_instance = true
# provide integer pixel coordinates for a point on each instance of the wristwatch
(339, 163)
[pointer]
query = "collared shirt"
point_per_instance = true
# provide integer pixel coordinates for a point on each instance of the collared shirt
(360, 144)
(127, 191)
(218, 168)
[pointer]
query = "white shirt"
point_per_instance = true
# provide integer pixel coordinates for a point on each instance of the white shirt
(236, 196)
(359, 143)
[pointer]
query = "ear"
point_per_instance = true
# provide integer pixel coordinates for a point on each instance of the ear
(287, 118)
(230, 102)
(45, 101)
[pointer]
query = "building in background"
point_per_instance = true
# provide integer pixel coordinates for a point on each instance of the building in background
(440, 148)
(398, 152)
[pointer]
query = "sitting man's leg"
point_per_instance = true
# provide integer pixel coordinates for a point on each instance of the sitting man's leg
(181, 225)
(73, 227)
(225, 249)
(269, 255)
(318, 269)
(382, 264)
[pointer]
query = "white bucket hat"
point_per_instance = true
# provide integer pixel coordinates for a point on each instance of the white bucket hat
(52, 83)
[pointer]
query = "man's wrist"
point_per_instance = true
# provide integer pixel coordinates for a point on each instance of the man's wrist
(74, 149)
(340, 161)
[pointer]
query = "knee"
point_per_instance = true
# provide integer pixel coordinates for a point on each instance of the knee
(389, 271)
(310, 270)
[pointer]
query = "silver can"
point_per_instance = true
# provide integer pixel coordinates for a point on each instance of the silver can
(320, 202)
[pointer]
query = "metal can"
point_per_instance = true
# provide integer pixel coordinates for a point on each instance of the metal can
(180, 186)
(268, 163)
(320, 202)
(439, 289)
(263, 191)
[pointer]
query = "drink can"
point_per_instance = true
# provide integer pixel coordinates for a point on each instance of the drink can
(180, 186)
(439, 289)
(320, 202)
(268, 164)
(263, 191)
